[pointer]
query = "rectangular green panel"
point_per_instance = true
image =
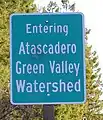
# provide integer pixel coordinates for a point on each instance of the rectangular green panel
(47, 58)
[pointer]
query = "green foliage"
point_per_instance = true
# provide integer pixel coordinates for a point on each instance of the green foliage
(51, 7)
(69, 112)
(8, 111)
(93, 104)
(54, 7)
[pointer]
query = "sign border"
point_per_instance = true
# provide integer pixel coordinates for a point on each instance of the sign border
(67, 13)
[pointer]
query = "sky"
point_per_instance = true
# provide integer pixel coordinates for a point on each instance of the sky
(93, 11)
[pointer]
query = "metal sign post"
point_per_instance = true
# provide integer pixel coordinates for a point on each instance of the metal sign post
(48, 112)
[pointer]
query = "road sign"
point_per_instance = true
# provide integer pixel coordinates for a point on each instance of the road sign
(47, 58)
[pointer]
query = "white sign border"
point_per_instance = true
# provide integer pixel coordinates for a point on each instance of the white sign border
(67, 13)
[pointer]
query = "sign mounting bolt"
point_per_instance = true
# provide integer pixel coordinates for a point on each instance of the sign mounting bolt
(46, 21)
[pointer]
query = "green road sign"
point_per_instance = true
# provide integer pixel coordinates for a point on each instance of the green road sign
(47, 58)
